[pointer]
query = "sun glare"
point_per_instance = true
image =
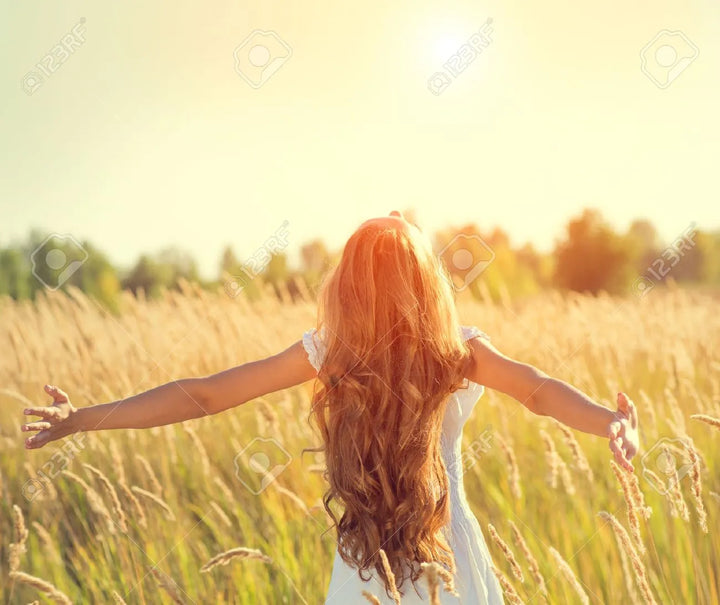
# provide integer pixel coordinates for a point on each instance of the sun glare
(443, 46)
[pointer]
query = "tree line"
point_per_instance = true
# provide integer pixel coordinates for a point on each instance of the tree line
(590, 257)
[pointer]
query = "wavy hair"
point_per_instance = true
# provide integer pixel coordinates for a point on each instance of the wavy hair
(393, 355)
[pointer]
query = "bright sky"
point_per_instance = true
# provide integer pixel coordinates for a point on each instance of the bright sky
(145, 135)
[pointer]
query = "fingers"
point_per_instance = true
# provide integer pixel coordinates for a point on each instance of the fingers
(623, 403)
(46, 413)
(38, 440)
(58, 395)
(619, 452)
(36, 426)
(628, 408)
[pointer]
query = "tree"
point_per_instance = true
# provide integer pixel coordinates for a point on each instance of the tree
(592, 257)
(14, 274)
(164, 270)
(643, 244)
(98, 278)
(144, 275)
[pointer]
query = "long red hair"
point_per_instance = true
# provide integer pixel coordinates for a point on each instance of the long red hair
(393, 354)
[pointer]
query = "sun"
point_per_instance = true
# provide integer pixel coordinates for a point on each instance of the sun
(443, 46)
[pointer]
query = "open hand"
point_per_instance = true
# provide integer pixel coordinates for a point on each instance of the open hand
(56, 420)
(623, 432)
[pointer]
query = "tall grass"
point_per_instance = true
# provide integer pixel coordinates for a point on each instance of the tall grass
(139, 516)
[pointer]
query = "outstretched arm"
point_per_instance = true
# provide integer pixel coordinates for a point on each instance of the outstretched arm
(172, 402)
(547, 396)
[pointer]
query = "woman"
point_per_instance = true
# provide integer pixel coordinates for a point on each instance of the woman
(397, 378)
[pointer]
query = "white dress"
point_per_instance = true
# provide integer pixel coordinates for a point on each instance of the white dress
(474, 581)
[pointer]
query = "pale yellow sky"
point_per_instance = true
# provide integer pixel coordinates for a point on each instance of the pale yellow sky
(146, 135)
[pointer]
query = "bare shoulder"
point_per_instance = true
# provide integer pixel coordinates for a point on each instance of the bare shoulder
(237, 385)
(497, 371)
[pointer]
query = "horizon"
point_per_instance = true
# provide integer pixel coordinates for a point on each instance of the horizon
(293, 252)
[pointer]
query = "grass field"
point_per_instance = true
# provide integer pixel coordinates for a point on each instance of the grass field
(185, 493)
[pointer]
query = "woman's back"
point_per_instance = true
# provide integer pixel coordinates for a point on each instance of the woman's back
(474, 580)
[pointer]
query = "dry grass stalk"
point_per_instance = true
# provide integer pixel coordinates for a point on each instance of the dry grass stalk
(513, 469)
(156, 487)
(371, 597)
(511, 595)
(221, 513)
(47, 540)
(17, 548)
(292, 496)
(715, 495)
(566, 476)
(21, 531)
(570, 576)
(270, 416)
(157, 500)
(533, 565)
(94, 499)
(627, 571)
(666, 490)
(45, 587)
(712, 421)
(114, 500)
(638, 497)
(675, 496)
(15, 553)
(169, 585)
(390, 576)
(433, 582)
(640, 572)
(48, 491)
(552, 458)
(581, 461)
(696, 486)
(633, 521)
(223, 488)
(117, 461)
(132, 498)
(171, 441)
(517, 571)
(445, 575)
(197, 443)
(648, 408)
(117, 598)
(677, 414)
(234, 553)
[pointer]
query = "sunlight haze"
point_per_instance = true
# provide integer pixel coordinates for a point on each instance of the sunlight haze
(146, 135)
